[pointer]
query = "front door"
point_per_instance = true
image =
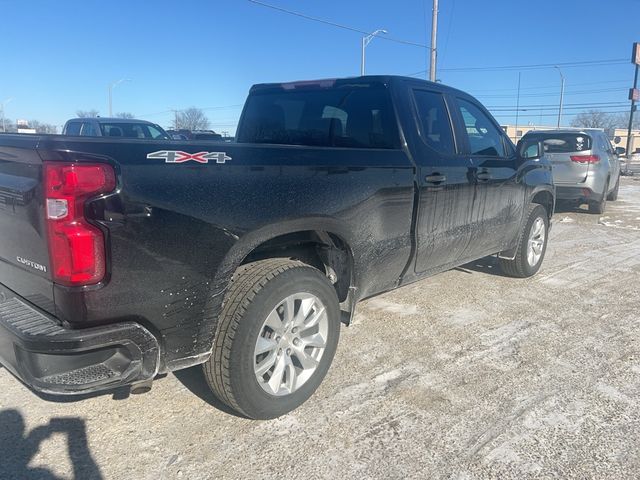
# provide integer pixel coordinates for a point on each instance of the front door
(499, 199)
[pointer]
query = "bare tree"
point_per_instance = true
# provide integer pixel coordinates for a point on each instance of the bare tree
(192, 119)
(621, 120)
(125, 115)
(41, 127)
(594, 119)
(87, 113)
(9, 126)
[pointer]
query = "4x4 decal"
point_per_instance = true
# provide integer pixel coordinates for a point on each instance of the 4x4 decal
(177, 156)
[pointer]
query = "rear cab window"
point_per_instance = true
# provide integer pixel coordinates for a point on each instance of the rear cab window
(348, 116)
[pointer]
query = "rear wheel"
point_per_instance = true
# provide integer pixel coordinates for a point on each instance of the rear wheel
(532, 244)
(613, 196)
(276, 338)
(599, 207)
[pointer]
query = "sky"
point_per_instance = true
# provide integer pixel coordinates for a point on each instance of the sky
(60, 56)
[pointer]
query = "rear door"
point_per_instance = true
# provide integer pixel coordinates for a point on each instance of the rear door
(446, 186)
(559, 148)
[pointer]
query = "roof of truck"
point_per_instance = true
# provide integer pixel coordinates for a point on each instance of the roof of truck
(329, 82)
(109, 120)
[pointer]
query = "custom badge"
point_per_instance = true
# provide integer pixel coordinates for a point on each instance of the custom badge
(177, 156)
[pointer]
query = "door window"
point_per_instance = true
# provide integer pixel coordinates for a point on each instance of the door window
(435, 126)
(484, 137)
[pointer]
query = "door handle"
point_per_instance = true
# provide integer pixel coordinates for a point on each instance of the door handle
(483, 176)
(436, 178)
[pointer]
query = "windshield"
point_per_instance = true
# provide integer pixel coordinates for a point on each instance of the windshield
(133, 130)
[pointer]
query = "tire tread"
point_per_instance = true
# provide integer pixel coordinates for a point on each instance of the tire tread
(246, 282)
(517, 267)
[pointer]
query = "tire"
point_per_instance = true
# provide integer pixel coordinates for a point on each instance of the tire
(613, 196)
(599, 207)
(520, 266)
(255, 309)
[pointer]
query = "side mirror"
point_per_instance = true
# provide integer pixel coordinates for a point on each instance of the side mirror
(620, 151)
(530, 149)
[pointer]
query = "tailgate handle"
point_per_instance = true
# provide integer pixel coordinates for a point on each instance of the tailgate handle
(483, 176)
(436, 178)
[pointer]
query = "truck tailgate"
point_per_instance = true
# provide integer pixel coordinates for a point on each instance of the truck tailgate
(24, 259)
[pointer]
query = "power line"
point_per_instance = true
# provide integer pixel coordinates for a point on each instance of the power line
(333, 24)
(539, 109)
(571, 105)
(581, 92)
(587, 63)
(534, 66)
(533, 114)
(538, 87)
(224, 107)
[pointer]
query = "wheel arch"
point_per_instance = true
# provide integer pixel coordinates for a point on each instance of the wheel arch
(546, 198)
(320, 242)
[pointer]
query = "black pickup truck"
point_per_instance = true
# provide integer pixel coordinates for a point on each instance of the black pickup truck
(124, 258)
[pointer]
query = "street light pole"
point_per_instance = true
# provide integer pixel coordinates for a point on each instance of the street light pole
(366, 40)
(2, 111)
(113, 85)
(561, 94)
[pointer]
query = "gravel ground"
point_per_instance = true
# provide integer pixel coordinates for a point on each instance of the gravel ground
(464, 375)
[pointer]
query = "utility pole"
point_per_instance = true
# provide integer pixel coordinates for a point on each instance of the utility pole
(175, 117)
(517, 108)
(4, 129)
(634, 95)
(561, 94)
(434, 36)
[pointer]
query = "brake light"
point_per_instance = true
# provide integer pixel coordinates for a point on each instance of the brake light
(585, 158)
(76, 248)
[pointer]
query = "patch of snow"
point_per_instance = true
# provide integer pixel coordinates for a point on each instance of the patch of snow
(392, 307)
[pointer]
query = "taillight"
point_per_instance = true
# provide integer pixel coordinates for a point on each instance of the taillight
(76, 248)
(585, 158)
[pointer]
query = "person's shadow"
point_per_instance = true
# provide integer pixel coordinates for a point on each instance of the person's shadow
(17, 448)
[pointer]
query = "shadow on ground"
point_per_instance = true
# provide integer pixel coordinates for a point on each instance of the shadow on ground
(488, 265)
(19, 447)
(193, 379)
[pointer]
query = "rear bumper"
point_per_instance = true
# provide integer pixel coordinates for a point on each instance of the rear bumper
(582, 194)
(52, 359)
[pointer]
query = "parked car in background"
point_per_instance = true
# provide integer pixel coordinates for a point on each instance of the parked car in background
(184, 134)
(114, 127)
(205, 135)
(586, 167)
